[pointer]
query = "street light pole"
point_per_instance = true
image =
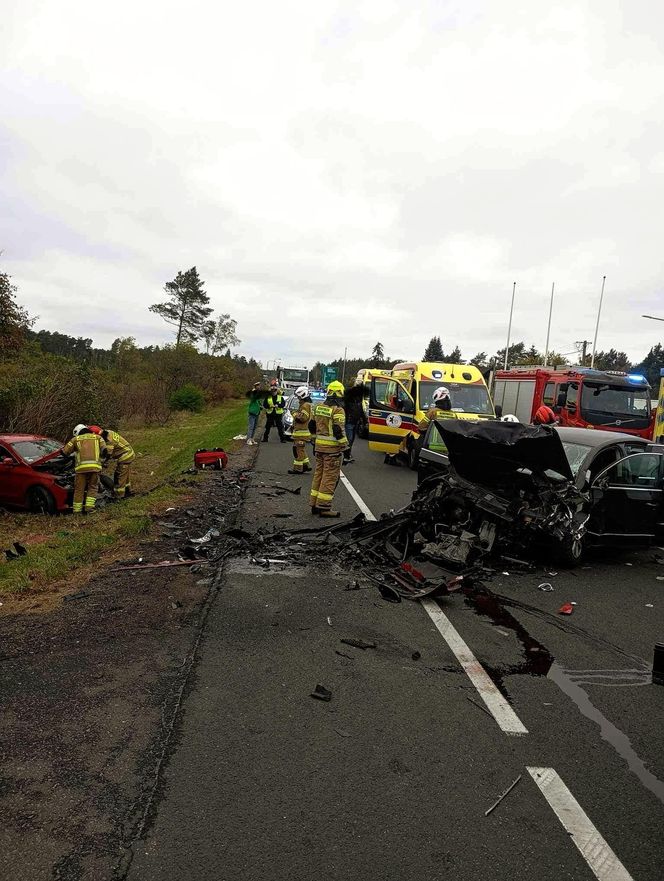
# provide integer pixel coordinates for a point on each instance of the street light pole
(599, 312)
(548, 330)
(509, 328)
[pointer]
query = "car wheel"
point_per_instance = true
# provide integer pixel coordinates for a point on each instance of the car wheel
(40, 501)
(413, 456)
(107, 482)
(570, 552)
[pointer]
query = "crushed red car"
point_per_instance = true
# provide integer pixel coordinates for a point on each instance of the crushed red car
(34, 474)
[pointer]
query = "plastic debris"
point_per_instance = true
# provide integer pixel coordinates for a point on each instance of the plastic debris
(416, 656)
(209, 535)
(566, 609)
(389, 593)
(545, 586)
(329, 620)
(20, 549)
(79, 595)
(321, 693)
(650, 606)
(352, 585)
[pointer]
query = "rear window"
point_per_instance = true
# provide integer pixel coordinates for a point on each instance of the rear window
(31, 451)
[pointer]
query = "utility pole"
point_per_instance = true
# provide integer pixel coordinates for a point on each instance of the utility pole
(599, 312)
(509, 328)
(548, 329)
(343, 372)
(583, 345)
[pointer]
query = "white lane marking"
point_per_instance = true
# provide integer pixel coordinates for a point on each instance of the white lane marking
(596, 852)
(501, 711)
(356, 497)
(496, 704)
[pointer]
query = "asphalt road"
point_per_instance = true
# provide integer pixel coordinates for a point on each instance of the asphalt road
(391, 779)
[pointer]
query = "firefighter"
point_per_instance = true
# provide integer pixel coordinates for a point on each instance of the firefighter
(87, 449)
(441, 406)
(274, 404)
(301, 433)
(120, 451)
(331, 442)
(544, 416)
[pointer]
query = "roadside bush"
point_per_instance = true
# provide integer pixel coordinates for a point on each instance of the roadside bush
(189, 397)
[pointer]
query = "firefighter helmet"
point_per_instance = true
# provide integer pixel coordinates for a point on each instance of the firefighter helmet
(79, 428)
(440, 393)
(302, 392)
(335, 389)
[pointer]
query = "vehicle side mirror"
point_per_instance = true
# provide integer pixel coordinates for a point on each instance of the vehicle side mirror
(408, 407)
(7, 460)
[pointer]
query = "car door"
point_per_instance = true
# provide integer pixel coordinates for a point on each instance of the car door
(433, 457)
(12, 477)
(628, 497)
(391, 414)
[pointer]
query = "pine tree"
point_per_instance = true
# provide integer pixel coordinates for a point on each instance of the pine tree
(187, 307)
(454, 357)
(433, 351)
(378, 355)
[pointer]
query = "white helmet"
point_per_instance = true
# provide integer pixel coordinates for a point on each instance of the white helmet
(79, 428)
(508, 418)
(302, 392)
(440, 393)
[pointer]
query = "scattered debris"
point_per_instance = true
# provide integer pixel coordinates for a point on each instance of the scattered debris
(164, 564)
(342, 733)
(545, 586)
(341, 654)
(20, 549)
(79, 595)
(566, 608)
(650, 606)
(176, 604)
(329, 620)
(352, 585)
(416, 656)
(358, 643)
(389, 593)
(209, 535)
(284, 514)
(321, 693)
(479, 707)
(507, 792)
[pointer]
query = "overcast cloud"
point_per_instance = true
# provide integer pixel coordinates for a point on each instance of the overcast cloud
(339, 172)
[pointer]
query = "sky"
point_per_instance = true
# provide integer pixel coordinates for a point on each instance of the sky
(340, 173)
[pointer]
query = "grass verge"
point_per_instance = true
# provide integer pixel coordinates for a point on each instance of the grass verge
(64, 547)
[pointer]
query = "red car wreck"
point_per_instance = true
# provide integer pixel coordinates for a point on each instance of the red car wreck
(34, 474)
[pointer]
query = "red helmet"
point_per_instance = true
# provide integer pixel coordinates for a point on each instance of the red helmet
(544, 416)
(95, 429)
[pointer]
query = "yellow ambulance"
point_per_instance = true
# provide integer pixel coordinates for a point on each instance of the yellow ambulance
(399, 401)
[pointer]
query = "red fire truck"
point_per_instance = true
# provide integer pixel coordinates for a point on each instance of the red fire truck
(579, 396)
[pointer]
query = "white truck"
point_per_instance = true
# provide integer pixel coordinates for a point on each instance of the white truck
(293, 377)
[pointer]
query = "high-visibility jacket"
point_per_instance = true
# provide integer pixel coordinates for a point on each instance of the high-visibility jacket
(330, 428)
(434, 413)
(274, 403)
(301, 421)
(87, 449)
(118, 448)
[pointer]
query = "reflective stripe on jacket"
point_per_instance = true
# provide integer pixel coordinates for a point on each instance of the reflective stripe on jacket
(87, 450)
(274, 402)
(327, 417)
(118, 448)
(434, 413)
(301, 422)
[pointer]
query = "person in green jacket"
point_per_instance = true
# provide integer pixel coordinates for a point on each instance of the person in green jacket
(255, 395)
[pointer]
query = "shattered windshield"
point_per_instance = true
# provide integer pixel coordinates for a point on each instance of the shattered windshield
(33, 450)
(604, 404)
(465, 398)
(575, 453)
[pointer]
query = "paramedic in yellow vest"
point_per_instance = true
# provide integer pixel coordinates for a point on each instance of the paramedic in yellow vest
(274, 405)
(87, 449)
(120, 451)
(301, 433)
(441, 406)
(330, 445)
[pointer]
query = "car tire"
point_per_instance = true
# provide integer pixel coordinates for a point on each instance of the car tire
(413, 456)
(107, 482)
(40, 501)
(570, 552)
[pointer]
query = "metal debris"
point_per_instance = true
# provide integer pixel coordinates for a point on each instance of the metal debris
(321, 693)
(498, 801)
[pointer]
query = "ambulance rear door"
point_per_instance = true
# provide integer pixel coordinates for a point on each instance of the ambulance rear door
(391, 414)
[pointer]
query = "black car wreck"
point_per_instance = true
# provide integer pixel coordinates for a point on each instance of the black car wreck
(520, 486)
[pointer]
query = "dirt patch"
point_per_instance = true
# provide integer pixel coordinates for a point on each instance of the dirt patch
(89, 692)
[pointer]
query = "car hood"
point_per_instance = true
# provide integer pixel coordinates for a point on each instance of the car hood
(486, 452)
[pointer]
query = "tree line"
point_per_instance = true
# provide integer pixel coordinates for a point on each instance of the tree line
(50, 380)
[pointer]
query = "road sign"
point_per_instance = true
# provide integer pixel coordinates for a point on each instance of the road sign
(328, 375)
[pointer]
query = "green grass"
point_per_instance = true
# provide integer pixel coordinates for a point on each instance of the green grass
(65, 547)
